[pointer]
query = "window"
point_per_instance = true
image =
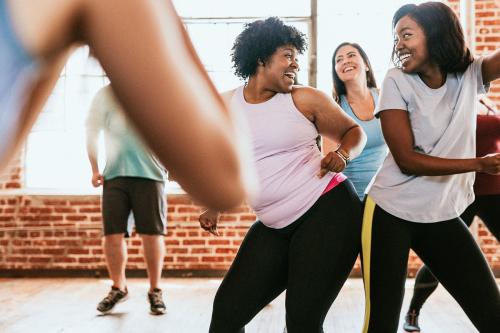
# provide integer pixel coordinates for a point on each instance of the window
(56, 155)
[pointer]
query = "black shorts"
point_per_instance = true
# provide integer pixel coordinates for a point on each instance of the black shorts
(143, 197)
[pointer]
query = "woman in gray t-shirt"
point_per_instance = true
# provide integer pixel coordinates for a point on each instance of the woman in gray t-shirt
(426, 108)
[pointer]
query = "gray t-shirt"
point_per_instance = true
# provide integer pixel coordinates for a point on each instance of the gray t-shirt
(443, 122)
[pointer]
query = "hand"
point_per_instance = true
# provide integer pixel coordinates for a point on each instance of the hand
(331, 162)
(97, 179)
(208, 221)
(490, 164)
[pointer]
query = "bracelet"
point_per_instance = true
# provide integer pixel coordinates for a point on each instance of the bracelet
(343, 155)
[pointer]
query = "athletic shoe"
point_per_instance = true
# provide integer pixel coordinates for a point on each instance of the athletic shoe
(114, 296)
(156, 301)
(411, 322)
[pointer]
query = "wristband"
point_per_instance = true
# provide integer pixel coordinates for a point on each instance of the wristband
(343, 155)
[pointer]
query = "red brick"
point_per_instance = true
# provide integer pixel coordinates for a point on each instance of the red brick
(76, 217)
(81, 202)
(187, 259)
(485, 14)
(17, 259)
(193, 242)
(181, 250)
(190, 209)
(66, 260)
(201, 250)
(78, 251)
(90, 210)
(226, 250)
(212, 259)
(88, 260)
(39, 260)
(219, 242)
(55, 202)
(64, 210)
(59, 251)
(179, 200)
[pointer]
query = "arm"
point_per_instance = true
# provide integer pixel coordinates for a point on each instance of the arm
(164, 92)
(208, 221)
(93, 128)
(491, 67)
(332, 122)
(399, 137)
(92, 152)
(157, 78)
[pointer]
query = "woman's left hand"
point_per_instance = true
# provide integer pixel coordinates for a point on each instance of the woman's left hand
(331, 162)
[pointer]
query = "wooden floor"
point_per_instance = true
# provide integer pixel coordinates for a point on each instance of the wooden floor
(68, 305)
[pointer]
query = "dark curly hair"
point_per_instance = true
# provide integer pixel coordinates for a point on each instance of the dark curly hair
(443, 34)
(259, 40)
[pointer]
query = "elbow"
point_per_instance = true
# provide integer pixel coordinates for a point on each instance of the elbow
(358, 140)
(228, 198)
(408, 167)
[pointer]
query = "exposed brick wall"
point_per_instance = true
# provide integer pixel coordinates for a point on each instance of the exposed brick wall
(487, 29)
(64, 232)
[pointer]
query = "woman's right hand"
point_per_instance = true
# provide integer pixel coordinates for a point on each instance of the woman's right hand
(490, 164)
(208, 221)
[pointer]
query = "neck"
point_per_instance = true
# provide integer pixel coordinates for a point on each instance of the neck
(256, 91)
(357, 91)
(432, 76)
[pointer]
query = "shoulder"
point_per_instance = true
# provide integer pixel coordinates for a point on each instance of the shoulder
(310, 101)
(394, 74)
(308, 95)
(476, 64)
(228, 95)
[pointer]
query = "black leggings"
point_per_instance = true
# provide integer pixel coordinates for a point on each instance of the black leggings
(487, 207)
(447, 247)
(311, 259)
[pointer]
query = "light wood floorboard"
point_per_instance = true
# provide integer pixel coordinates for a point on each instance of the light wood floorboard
(68, 305)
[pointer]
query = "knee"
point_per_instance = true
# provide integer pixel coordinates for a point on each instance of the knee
(113, 240)
(224, 316)
(303, 319)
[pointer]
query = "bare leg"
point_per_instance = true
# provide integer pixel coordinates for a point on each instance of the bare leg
(115, 251)
(154, 251)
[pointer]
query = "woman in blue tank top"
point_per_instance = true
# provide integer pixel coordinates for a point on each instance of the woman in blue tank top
(355, 90)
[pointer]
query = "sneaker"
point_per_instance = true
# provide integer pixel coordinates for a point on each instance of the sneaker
(115, 295)
(411, 322)
(156, 301)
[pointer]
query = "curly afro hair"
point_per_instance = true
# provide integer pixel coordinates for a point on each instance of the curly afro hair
(259, 40)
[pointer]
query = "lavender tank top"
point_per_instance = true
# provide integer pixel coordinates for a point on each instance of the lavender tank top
(286, 156)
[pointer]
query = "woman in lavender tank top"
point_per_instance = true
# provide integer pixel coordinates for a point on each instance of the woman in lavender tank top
(307, 236)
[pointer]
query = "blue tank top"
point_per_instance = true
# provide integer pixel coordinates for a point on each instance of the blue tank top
(362, 169)
(17, 72)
